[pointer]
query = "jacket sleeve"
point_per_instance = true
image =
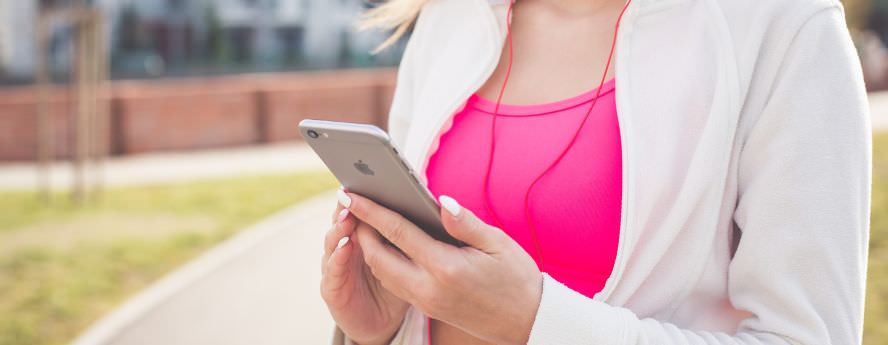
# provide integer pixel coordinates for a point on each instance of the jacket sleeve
(803, 209)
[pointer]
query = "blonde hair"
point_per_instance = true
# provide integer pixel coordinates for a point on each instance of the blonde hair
(395, 15)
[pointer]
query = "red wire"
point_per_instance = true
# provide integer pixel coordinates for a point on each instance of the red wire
(499, 99)
(527, 214)
(528, 217)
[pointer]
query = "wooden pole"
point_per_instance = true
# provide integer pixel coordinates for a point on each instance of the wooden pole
(81, 134)
(103, 102)
(44, 109)
(91, 100)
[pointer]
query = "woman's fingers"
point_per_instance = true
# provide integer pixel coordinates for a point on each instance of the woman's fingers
(336, 267)
(343, 226)
(338, 207)
(418, 245)
(396, 273)
(462, 224)
(336, 213)
(338, 248)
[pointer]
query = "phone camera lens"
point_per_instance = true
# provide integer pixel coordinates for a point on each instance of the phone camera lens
(312, 134)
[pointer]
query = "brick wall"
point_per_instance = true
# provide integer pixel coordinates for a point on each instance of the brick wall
(186, 114)
(18, 124)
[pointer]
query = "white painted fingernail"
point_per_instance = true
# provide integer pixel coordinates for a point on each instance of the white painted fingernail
(342, 242)
(342, 215)
(450, 205)
(343, 198)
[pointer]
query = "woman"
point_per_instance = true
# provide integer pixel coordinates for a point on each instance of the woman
(713, 187)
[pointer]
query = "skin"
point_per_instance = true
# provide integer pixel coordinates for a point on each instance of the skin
(471, 288)
(541, 27)
(368, 313)
(468, 292)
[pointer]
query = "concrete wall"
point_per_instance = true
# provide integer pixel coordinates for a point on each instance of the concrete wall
(187, 114)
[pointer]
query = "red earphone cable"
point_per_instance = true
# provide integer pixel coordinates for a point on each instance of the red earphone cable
(528, 217)
(499, 98)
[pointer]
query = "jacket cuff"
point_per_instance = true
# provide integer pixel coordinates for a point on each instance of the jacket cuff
(568, 317)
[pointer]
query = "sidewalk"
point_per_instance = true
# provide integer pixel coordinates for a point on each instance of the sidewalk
(259, 287)
(174, 167)
(879, 110)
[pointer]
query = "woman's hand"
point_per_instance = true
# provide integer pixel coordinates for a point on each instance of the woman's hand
(490, 288)
(365, 311)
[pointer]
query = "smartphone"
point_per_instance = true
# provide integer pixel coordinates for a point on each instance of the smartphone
(365, 161)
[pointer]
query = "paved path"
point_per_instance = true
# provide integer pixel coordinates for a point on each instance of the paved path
(260, 287)
(175, 167)
(879, 110)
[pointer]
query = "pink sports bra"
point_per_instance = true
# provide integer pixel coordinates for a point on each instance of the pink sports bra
(575, 207)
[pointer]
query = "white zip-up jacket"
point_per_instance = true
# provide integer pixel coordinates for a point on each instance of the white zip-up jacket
(746, 169)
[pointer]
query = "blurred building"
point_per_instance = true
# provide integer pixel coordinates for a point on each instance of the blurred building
(17, 47)
(199, 41)
(871, 42)
(155, 38)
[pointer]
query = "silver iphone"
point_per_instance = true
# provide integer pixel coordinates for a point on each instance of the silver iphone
(366, 162)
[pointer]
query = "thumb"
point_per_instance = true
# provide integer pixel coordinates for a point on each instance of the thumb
(465, 226)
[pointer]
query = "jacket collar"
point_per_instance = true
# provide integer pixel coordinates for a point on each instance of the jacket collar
(482, 27)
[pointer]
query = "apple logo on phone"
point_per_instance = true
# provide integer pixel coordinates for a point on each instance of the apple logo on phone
(363, 168)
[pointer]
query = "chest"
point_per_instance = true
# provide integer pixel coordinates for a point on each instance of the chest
(554, 53)
(548, 175)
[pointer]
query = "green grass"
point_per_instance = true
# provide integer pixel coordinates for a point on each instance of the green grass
(876, 315)
(64, 266)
